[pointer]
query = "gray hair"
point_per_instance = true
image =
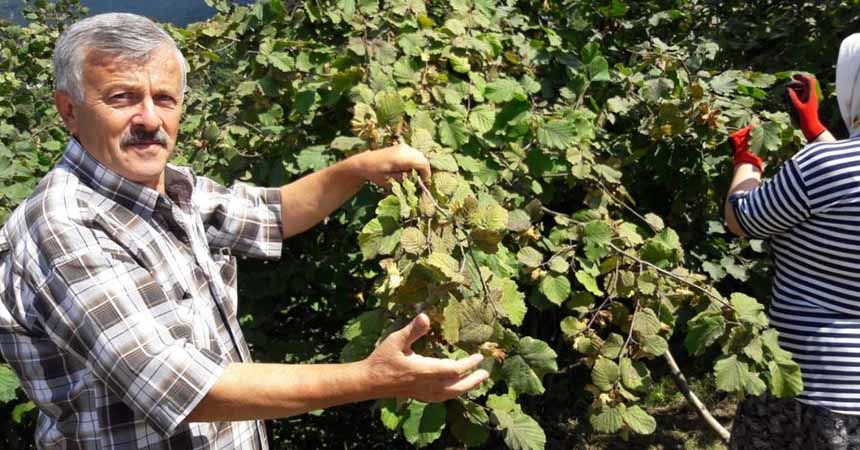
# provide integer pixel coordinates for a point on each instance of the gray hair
(126, 36)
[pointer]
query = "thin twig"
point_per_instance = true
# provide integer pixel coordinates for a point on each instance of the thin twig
(691, 397)
(626, 206)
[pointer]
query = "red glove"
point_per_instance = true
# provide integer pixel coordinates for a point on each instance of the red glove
(740, 141)
(804, 102)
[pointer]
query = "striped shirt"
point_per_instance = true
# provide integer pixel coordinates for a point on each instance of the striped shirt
(810, 211)
(118, 303)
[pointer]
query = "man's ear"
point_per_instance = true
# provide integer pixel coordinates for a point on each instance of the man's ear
(68, 111)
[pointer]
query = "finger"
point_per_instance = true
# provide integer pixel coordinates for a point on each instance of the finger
(470, 382)
(465, 365)
(419, 326)
(792, 95)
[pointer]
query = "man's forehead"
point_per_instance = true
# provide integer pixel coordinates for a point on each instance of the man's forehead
(162, 63)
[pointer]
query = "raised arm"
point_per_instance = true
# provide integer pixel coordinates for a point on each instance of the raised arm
(308, 200)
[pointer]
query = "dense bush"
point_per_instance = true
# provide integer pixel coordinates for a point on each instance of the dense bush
(572, 228)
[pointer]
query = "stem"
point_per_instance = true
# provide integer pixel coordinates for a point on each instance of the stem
(691, 397)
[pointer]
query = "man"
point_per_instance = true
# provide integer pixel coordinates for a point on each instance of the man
(810, 211)
(118, 306)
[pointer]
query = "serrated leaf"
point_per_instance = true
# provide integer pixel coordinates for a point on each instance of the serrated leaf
(638, 420)
(539, 355)
(559, 265)
(633, 374)
(571, 326)
(748, 310)
(9, 384)
(557, 134)
(520, 431)
(347, 143)
(646, 323)
(451, 322)
(413, 241)
(555, 288)
(733, 375)
(446, 266)
(612, 346)
(476, 321)
(655, 345)
(391, 414)
(604, 374)
(482, 118)
(452, 132)
(519, 221)
(785, 379)
(424, 423)
(588, 282)
(389, 207)
(503, 90)
(529, 257)
(512, 302)
(608, 420)
(702, 332)
(520, 378)
(445, 162)
(282, 61)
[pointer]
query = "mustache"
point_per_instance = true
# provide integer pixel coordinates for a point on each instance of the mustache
(142, 136)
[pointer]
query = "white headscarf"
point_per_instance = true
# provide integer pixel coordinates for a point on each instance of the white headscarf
(848, 83)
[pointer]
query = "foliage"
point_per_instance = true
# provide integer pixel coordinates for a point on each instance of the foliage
(549, 127)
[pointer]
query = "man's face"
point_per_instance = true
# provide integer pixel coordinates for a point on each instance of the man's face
(129, 117)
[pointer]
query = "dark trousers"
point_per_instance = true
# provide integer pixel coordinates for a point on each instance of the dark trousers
(769, 423)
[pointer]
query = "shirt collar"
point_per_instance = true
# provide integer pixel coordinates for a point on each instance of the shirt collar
(134, 196)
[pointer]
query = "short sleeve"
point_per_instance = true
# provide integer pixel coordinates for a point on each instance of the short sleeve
(101, 307)
(245, 219)
(775, 206)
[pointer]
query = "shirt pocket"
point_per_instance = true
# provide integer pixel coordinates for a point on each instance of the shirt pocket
(226, 269)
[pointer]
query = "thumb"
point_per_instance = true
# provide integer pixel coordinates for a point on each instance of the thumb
(419, 326)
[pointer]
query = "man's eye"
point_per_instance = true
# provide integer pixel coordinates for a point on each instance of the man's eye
(121, 96)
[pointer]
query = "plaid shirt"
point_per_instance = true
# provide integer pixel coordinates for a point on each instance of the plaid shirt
(118, 304)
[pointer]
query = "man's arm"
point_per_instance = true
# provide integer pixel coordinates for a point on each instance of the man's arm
(308, 200)
(267, 391)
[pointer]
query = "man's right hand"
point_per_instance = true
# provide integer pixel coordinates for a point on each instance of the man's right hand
(803, 101)
(397, 371)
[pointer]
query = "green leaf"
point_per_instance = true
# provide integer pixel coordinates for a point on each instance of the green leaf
(608, 420)
(612, 346)
(425, 423)
(389, 207)
(513, 302)
(282, 61)
(539, 355)
(748, 310)
(520, 377)
(452, 132)
(734, 376)
(703, 331)
(655, 345)
(555, 288)
(558, 265)
(482, 118)
(765, 138)
(663, 249)
(391, 414)
(588, 282)
(785, 379)
(476, 321)
(8, 384)
(646, 323)
(520, 431)
(557, 134)
(519, 221)
(638, 420)
(20, 410)
(605, 374)
(529, 257)
(504, 90)
(446, 266)
(633, 374)
(314, 158)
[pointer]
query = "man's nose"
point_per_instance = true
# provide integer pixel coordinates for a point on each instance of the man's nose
(147, 116)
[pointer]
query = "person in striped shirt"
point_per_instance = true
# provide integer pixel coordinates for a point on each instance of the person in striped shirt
(810, 213)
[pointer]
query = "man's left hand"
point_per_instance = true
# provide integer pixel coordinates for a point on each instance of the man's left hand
(380, 166)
